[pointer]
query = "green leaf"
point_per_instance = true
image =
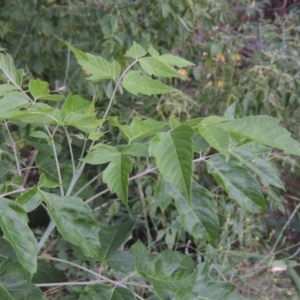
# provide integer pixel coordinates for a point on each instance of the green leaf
(112, 237)
(209, 291)
(261, 167)
(38, 88)
(138, 129)
(174, 60)
(233, 111)
(6, 250)
(153, 52)
(14, 283)
(174, 153)
(121, 261)
(12, 101)
(106, 292)
(216, 137)
(44, 181)
(8, 68)
(154, 66)
(5, 88)
(76, 104)
(39, 135)
(30, 200)
(199, 217)
(99, 67)
(74, 221)
(136, 51)
(101, 154)
(13, 222)
(135, 149)
(263, 129)
(136, 83)
(167, 271)
(236, 180)
(46, 273)
(116, 176)
(163, 194)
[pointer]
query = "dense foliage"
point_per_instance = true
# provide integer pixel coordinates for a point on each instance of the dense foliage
(159, 173)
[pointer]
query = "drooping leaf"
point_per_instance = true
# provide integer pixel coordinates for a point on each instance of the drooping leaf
(106, 292)
(236, 180)
(112, 237)
(174, 153)
(167, 272)
(138, 129)
(199, 217)
(216, 137)
(116, 176)
(101, 154)
(174, 60)
(99, 67)
(8, 68)
(263, 129)
(13, 222)
(135, 51)
(74, 220)
(14, 283)
(136, 83)
(155, 66)
(261, 167)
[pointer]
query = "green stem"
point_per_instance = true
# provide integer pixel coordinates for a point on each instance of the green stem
(77, 175)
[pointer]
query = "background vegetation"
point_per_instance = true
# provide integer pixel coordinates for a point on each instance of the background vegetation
(244, 51)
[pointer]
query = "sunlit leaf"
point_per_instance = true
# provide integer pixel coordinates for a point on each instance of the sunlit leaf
(174, 153)
(74, 221)
(236, 180)
(13, 222)
(30, 200)
(12, 101)
(136, 83)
